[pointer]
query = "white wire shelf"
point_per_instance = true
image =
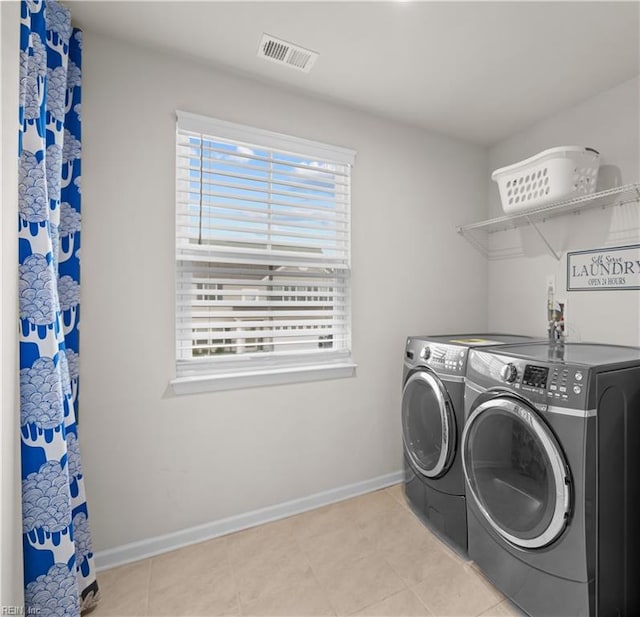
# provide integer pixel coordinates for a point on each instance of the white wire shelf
(612, 197)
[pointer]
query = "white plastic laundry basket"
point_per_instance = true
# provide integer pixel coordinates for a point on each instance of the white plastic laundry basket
(552, 175)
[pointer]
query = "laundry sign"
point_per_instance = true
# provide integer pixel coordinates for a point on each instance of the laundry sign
(606, 268)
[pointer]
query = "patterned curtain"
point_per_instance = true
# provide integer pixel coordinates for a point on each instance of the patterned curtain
(58, 560)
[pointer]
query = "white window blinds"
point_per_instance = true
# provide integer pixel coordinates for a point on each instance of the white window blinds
(262, 248)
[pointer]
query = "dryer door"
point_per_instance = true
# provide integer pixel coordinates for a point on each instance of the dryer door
(428, 424)
(516, 472)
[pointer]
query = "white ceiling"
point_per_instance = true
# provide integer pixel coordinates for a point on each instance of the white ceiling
(479, 71)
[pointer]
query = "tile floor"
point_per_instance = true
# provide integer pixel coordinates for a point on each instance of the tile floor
(365, 556)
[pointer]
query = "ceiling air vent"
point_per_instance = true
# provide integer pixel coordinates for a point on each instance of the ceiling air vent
(282, 52)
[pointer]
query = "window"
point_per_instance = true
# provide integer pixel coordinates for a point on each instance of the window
(262, 257)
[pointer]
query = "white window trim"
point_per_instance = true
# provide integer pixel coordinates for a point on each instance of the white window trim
(233, 375)
(196, 384)
(268, 139)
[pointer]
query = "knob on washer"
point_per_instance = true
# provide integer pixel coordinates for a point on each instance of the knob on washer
(509, 372)
(425, 353)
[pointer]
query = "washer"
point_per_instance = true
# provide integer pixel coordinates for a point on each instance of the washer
(551, 458)
(432, 420)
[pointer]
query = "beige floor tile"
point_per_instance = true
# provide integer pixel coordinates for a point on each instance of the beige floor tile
(360, 555)
(124, 591)
(353, 584)
(397, 492)
(322, 520)
(259, 540)
(396, 531)
(372, 505)
(209, 556)
(504, 609)
(415, 564)
(202, 585)
(268, 572)
(397, 517)
(405, 603)
(303, 600)
(453, 589)
(345, 542)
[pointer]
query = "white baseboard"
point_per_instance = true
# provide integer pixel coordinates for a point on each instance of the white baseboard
(149, 547)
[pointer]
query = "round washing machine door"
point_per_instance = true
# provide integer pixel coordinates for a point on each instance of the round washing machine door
(428, 424)
(516, 472)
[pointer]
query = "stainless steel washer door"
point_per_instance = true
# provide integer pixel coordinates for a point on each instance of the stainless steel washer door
(428, 424)
(516, 472)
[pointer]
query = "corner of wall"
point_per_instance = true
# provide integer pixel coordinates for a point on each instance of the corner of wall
(608, 121)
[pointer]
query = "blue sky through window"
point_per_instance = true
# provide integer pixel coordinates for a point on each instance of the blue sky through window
(245, 194)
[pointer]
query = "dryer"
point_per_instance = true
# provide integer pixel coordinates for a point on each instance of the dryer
(432, 420)
(551, 458)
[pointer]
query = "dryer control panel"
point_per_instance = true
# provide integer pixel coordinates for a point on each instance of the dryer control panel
(443, 359)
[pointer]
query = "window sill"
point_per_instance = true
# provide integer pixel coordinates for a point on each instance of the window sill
(266, 377)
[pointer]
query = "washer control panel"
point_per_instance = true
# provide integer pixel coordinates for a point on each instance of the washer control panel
(558, 385)
(551, 384)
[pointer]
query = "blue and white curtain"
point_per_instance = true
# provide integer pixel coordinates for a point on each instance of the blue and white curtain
(59, 574)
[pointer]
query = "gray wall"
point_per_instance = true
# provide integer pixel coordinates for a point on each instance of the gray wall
(155, 463)
(608, 122)
(10, 509)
